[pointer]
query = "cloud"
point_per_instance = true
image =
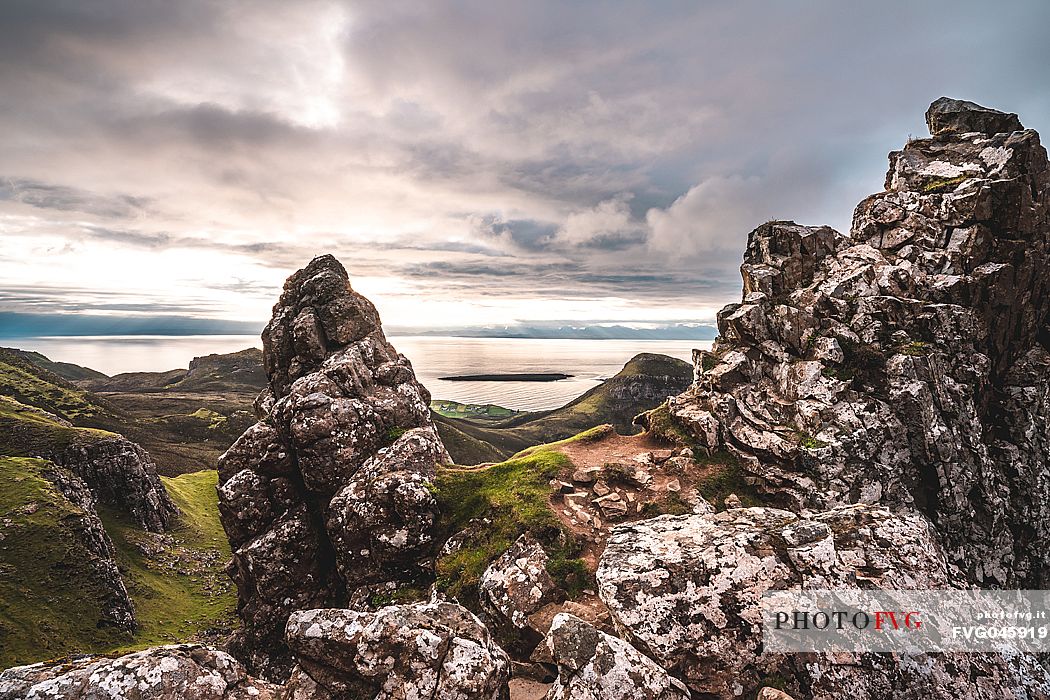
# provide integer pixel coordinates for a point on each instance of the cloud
(559, 155)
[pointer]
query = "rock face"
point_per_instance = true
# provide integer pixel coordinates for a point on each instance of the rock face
(515, 586)
(184, 672)
(593, 665)
(328, 496)
(122, 474)
(686, 589)
(400, 652)
(96, 547)
(907, 363)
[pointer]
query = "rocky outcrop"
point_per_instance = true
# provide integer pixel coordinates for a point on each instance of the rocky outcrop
(687, 591)
(183, 672)
(400, 652)
(516, 586)
(121, 474)
(328, 496)
(906, 363)
(593, 665)
(95, 547)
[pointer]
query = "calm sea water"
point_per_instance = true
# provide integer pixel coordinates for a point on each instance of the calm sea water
(589, 361)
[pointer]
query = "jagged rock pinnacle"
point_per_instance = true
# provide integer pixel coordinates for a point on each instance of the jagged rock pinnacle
(327, 497)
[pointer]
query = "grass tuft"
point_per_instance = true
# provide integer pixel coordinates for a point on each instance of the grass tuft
(514, 496)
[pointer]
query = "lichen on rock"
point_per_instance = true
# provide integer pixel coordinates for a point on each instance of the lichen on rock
(329, 493)
(904, 363)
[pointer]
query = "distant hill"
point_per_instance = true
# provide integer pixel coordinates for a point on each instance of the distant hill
(185, 418)
(66, 370)
(235, 371)
(32, 379)
(643, 383)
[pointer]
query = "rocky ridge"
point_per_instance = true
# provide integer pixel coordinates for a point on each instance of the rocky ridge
(122, 474)
(906, 363)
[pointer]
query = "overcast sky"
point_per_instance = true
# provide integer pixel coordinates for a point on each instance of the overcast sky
(470, 163)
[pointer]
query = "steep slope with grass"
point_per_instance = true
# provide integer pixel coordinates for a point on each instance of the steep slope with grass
(60, 590)
(59, 580)
(66, 370)
(33, 385)
(177, 580)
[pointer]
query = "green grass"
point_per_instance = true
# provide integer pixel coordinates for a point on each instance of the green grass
(916, 348)
(180, 591)
(590, 435)
(25, 432)
(454, 409)
(670, 504)
(663, 425)
(215, 421)
(727, 477)
(34, 386)
(50, 598)
(943, 183)
(514, 495)
(810, 442)
(50, 601)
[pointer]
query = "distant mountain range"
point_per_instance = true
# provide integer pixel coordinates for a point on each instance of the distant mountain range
(23, 325)
(28, 325)
(677, 331)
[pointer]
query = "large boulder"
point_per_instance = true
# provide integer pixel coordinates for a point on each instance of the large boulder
(328, 496)
(687, 591)
(516, 586)
(183, 672)
(593, 665)
(400, 652)
(906, 363)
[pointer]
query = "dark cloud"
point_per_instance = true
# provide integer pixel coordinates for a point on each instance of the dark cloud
(58, 197)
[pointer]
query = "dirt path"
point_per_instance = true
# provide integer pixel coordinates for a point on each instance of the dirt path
(611, 448)
(524, 689)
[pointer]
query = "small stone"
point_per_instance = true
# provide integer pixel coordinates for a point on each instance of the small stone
(587, 475)
(673, 486)
(732, 501)
(601, 488)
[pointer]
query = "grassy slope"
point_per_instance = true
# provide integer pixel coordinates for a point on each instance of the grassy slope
(27, 432)
(49, 600)
(35, 386)
(489, 411)
(180, 591)
(515, 497)
(65, 370)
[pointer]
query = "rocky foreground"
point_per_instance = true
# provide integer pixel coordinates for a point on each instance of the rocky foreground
(884, 397)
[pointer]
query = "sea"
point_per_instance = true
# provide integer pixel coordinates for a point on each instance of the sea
(588, 361)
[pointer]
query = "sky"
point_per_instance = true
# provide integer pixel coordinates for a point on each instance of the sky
(470, 163)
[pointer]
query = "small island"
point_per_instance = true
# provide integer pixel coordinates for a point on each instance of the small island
(551, 377)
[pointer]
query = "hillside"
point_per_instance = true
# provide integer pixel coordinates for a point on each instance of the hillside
(66, 370)
(56, 558)
(26, 378)
(186, 418)
(643, 383)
